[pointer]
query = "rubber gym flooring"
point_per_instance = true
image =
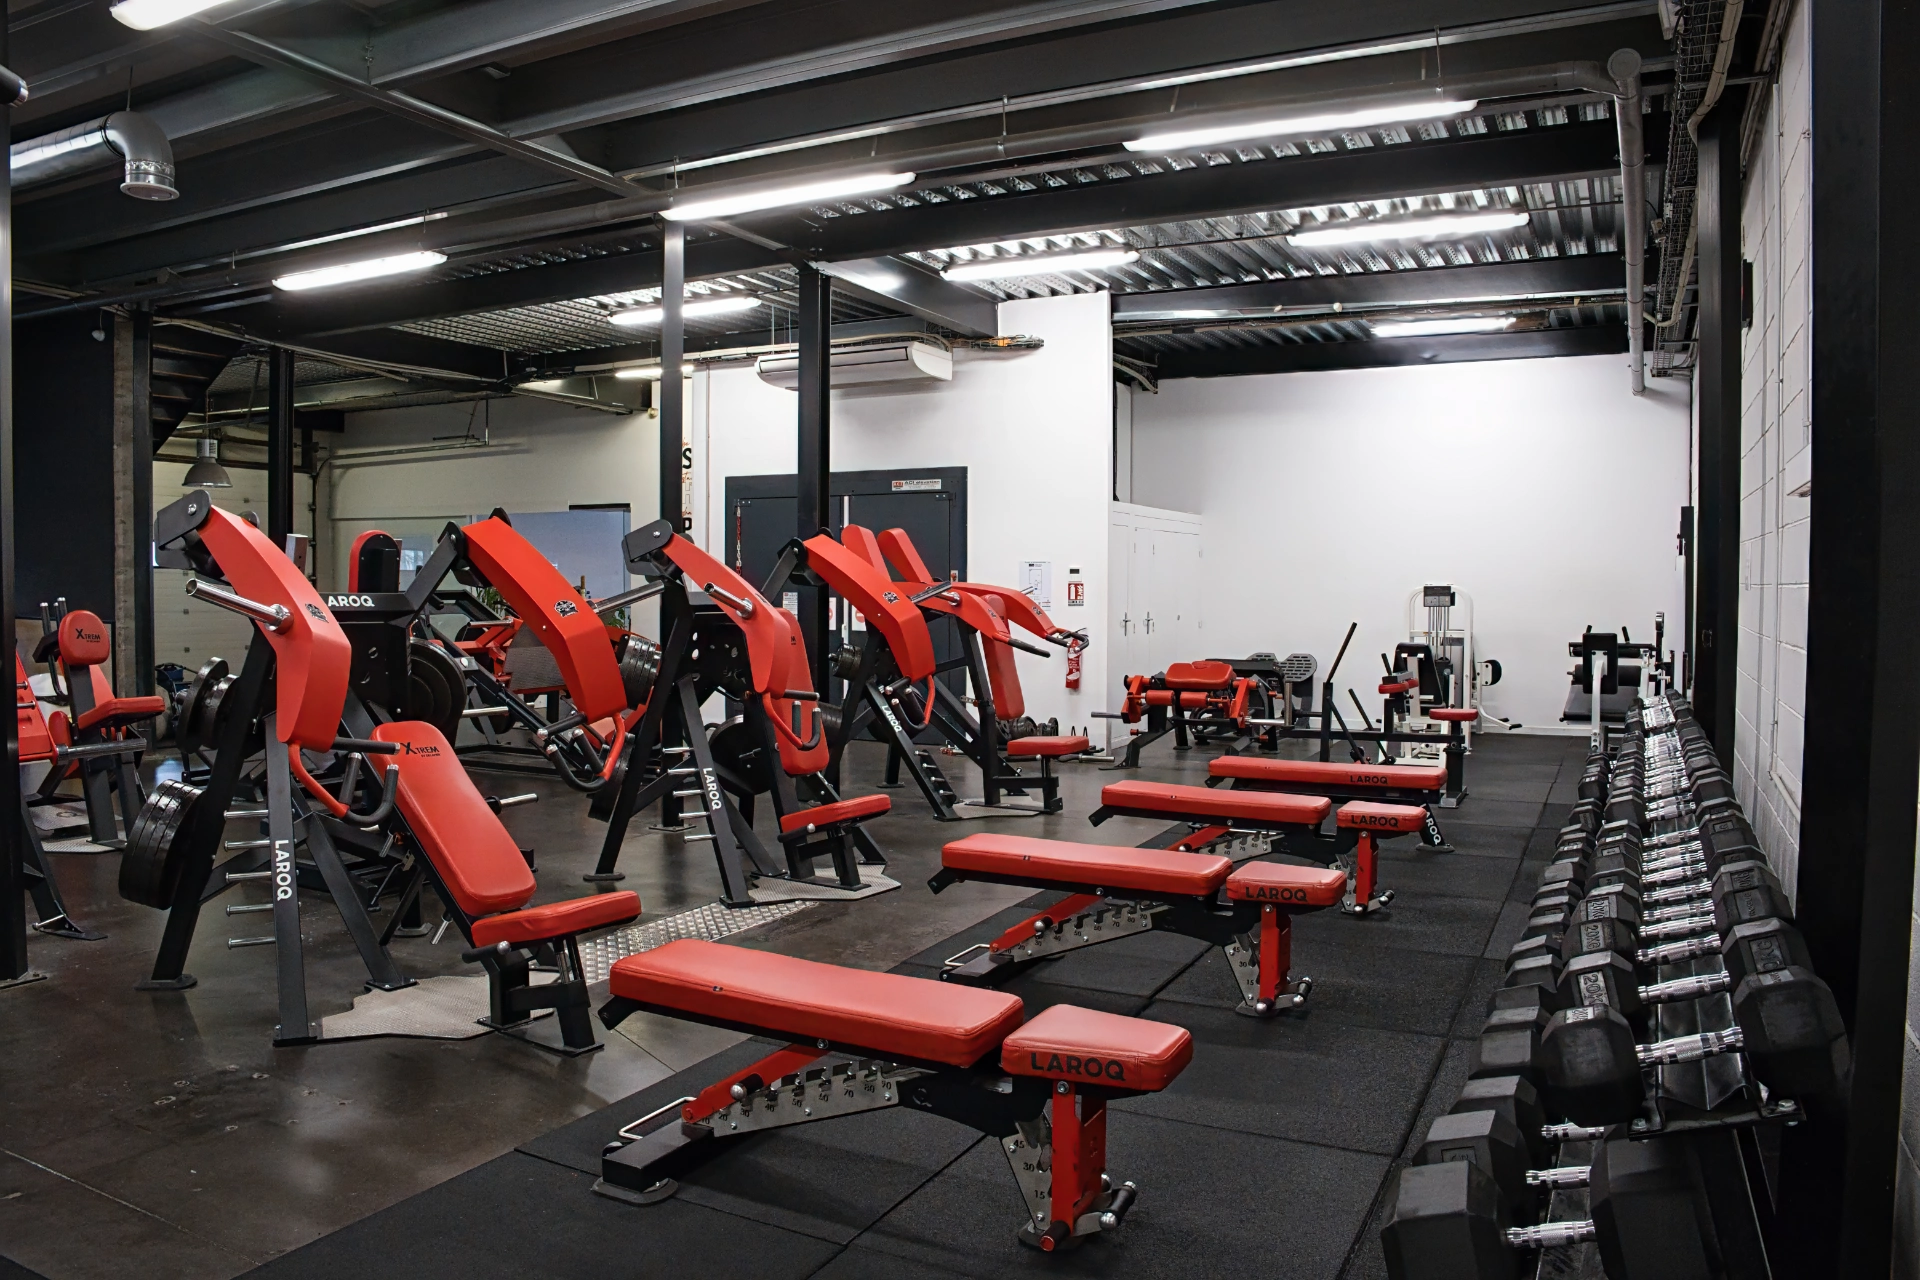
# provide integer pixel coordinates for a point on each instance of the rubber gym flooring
(436, 1158)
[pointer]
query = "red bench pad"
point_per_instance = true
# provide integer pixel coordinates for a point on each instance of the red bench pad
(1369, 816)
(1043, 745)
(558, 919)
(114, 712)
(1067, 1042)
(825, 815)
(475, 856)
(1177, 801)
(1331, 773)
(1278, 882)
(1199, 675)
(889, 1013)
(1037, 861)
(1464, 715)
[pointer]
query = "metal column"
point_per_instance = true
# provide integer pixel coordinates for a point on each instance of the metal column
(13, 907)
(139, 681)
(279, 445)
(1716, 637)
(1862, 736)
(813, 484)
(673, 347)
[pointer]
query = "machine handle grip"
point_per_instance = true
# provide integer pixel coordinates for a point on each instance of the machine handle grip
(740, 605)
(389, 793)
(367, 746)
(476, 954)
(937, 589)
(119, 746)
(645, 591)
(274, 617)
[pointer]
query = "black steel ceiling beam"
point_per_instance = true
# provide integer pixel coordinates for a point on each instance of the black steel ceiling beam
(1307, 357)
(356, 311)
(893, 282)
(1587, 274)
(1378, 173)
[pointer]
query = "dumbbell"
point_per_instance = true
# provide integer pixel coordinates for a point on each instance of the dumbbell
(1514, 1097)
(1490, 1140)
(1447, 1221)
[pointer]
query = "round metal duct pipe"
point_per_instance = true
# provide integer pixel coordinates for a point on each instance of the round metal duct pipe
(127, 136)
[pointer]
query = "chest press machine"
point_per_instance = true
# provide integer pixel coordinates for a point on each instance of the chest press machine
(291, 699)
(723, 637)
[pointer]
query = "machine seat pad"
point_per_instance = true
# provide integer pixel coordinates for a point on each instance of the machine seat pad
(806, 1001)
(1199, 675)
(558, 919)
(1288, 885)
(1190, 699)
(1464, 715)
(1176, 801)
(858, 809)
(1368, 816)
(1036, 861)
(474, 855)
(1055, 745)
(1408, 685)
(1331, 773)
(114, 712)
(1066, 1042)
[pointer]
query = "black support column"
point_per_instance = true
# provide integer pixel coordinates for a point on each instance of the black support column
(1716, 636)
(13, 907)
(813, 486)
(1862, 741)
(140, 680)
(673, 347)
(279, 445)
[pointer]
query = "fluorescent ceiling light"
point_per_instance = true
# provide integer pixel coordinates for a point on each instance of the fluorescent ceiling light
(1430, 228)
(1039, 264)
(1324, 122)
(1283, 64)
(634, 317)
(370, 269)
(145, 15)
(651, 372)
(1429, 328)
(780, 148)
(776, 197)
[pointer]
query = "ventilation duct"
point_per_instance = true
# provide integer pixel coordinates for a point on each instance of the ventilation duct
(863, 366)
(127, 136)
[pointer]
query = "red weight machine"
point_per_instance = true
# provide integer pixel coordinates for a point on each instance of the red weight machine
(1199, 703)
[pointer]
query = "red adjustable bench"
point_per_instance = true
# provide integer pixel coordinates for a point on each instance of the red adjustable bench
(1413, 784)
(481, 875)
(1041, 1089)
(1292, 822)
(1115, 892)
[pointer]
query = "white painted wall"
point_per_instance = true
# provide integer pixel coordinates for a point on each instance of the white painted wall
(543, 457)
(1033, 428)
(1541, 488)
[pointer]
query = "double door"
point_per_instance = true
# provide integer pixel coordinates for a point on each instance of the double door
(1156, 619)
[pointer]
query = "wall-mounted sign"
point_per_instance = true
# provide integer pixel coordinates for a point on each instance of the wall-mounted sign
(1036, 581)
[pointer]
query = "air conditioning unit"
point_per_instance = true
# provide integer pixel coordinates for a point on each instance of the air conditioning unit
(864, 366)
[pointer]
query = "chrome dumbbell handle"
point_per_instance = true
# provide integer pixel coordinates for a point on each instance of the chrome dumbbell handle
(1664, 1053)
(1686, 988)
(1551, 1235)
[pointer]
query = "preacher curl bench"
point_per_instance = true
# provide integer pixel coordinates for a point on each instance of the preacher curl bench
(1040, 1089)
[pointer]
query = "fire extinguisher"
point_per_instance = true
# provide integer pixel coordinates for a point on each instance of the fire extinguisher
(1074, 647)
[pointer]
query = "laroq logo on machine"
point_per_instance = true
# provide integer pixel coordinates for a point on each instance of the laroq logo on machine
(348, 602)
(1091, 1067)
(1276, 893)
(316, 612)
(565, 608)
(282, 870)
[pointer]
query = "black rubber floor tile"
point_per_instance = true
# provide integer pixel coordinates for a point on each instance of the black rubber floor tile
(992, 927)
(1472, 1014)
(1367, 1262)
(857, 1262)
(1355, 983)
(1478, 841)
(1508, 929)
(519, 1216)
(1485, 812)
(1448, 1079)
(1311, 1081)
(1211, 1204)
(1138, 965)
(1447, 874)
(1415, 922)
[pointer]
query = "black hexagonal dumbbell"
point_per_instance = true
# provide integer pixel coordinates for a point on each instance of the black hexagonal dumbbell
(1448, 1220)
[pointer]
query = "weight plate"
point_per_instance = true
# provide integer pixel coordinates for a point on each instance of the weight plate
(435, 682)
(156, 851)
(199, 706)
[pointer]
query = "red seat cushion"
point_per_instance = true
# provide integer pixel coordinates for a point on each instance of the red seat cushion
(1043, 745)
(822, 815)
(1278, 882)
(474, 855)
(1067, 1042)
(1177, 801)
(1367, 815)
(1037, 861)
(804, 1000)
(1464, 715)
(1331, 773)
(1199, 675)
(114, 712)
(1400, 686)
(558, 919)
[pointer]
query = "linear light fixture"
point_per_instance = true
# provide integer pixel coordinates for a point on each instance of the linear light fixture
(1438, 227)
(636, 317)
(145, 15)
(368, 269)
(1431, 328)
(1039, 264)
(727, 206)
(781, 148)
(650, 372)
(1322, 122)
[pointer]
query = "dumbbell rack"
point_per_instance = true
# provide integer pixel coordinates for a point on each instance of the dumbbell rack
(1663, 795)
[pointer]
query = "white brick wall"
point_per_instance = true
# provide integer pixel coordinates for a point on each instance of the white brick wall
(1776, 445)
